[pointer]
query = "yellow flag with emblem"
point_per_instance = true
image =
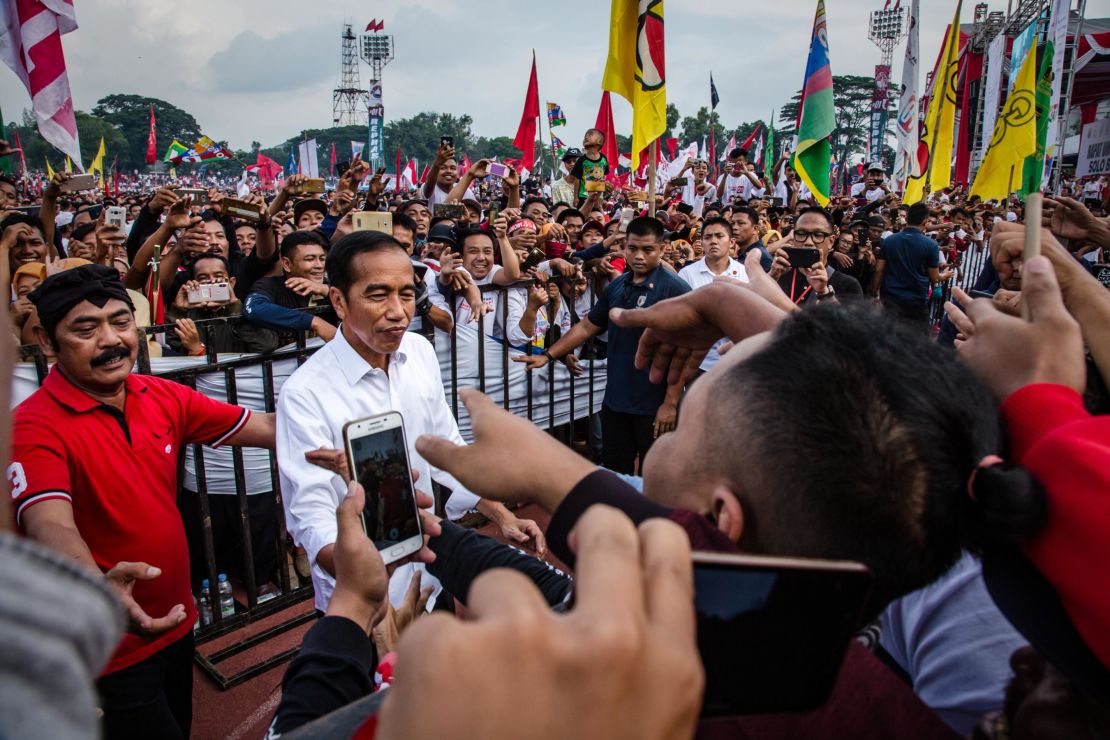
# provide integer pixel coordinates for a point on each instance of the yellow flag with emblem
(98, 162)
(940, 119)
(1015, 136)
(49, 170)
(635, 69)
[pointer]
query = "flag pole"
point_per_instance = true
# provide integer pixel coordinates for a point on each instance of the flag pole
(1032, 246)
(539, 129)
(651, 177)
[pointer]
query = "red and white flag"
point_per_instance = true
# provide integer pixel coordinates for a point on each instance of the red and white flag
(31, 44)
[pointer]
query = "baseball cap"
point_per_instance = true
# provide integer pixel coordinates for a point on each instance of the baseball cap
(309, 204)
(443, 233)
(876, 166)
(572, 152)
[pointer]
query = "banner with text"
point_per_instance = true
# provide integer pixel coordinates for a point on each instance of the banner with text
(377, 119)
(879, 104)
(1094, 154)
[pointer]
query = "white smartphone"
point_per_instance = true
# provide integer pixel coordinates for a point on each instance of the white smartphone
(210, 292)
(80, 182)
(372, 221)
(116, 216)
(377, 454)
(497, 169)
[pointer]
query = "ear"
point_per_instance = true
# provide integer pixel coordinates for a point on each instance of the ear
(286, 264)
(231, 284)
(338, 302)
(43, 338)
(727, 512)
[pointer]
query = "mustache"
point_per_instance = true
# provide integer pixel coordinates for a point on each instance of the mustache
(116, 353)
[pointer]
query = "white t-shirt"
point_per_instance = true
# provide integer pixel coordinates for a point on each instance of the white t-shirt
(440, 196)
(738, 187)
(782, 191)
(860, 188)
(690, 195)
(1092, 189)
(697, 274)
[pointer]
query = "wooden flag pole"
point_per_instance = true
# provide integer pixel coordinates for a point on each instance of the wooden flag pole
(651, 177)
(1034, 203)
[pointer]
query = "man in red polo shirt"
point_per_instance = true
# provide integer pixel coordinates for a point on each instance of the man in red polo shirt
(94, 476)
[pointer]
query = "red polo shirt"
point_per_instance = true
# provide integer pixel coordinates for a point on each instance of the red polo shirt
(119, 472)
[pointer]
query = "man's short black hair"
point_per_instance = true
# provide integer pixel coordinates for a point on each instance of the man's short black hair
(341, 257)
(208, 256)
(738, 152)
(917, 213)
(569, 213)
(958, 211)
(646, 226)
(410, 203)
(751, 213)
(23, 218)
(405, 222)
(83, 230)
(819, 211)
(886, 467)
(290, 242)
(7, 180)
(717, 221)
(485, 233)
(533, 199)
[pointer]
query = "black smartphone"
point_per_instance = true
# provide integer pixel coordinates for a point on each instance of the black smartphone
(447, 141)
(802, 256)
(776, 202)
(535, 257)
(772, 632)
(379, 461)
(679, 181)
(981, 294)
(342, 167)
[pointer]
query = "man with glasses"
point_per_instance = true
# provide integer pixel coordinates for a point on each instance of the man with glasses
(819, 283)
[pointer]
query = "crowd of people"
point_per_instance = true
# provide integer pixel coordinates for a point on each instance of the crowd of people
(782, 378)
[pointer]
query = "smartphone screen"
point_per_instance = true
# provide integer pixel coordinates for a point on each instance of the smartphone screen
(497, 169)
(379, 461)
(772, 634)
(802, 256)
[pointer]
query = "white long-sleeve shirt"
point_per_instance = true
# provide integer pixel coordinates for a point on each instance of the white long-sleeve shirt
(335, 386)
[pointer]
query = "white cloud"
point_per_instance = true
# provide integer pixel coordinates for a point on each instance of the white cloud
(264, 69)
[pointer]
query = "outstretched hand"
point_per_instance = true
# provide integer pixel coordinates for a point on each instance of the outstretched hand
(121, 579)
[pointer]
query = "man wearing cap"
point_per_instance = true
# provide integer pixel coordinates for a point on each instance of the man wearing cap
(94, 476)
(564, 190)
(309, 213)
(874, 186)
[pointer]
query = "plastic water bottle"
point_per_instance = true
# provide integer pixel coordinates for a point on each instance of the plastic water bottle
(227, 601)
(205, 604)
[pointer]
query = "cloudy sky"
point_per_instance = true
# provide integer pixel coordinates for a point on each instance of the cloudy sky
(264, 69)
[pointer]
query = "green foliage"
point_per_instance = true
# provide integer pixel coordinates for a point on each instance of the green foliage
(90, 129)
(697, 126)
(130, 114)
(419, 135)
(498, 146)
(852, 99)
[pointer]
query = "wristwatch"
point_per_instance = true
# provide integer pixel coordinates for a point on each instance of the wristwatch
(827, 294)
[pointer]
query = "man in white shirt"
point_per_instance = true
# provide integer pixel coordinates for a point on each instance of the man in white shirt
(874, 185)
(717, 241)
(739, 182)
(373, 365)
(697, 192)
(442, 176)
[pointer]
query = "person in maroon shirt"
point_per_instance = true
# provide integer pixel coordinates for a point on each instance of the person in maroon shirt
(94, 476)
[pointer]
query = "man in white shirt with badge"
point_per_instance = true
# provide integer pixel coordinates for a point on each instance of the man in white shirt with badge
(373, 365)
(717, 242)
(739, 182)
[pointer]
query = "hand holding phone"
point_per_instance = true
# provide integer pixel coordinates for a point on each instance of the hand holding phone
(497, 169)
(802, 256)
(377, 454)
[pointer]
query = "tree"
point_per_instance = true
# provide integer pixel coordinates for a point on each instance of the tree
(694, 128)
(852, 102)
(130, 114)
(418, 137)
(498, 146)
(672, 120)
(90, 129)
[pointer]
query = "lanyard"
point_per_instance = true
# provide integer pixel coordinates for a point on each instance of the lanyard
(793, 285)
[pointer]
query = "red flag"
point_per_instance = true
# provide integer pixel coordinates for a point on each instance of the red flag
(333, 159)
(672, 147)
(398, 168)
(266, 169)
(151, 140)
(22, 159)
(115, 176)
(605, 125)
(525, 139)
(423, 174)
(747, 145)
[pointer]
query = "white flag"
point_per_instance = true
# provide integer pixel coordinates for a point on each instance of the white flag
(906, 163)
(306, 152)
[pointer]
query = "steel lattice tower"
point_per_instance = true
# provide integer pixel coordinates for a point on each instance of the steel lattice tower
(350, 99)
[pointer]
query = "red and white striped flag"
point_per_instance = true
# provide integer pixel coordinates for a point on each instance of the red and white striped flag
(31, 44)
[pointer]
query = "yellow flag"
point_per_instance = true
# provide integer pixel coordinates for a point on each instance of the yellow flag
(1015, 136)
(940, 119)
(49, 170)
(69, 164)
(635, 68)
(98, 162)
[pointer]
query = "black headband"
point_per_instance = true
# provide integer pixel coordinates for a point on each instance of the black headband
(60, 292)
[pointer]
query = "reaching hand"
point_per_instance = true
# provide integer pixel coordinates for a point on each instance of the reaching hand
(304, 286)
(121, 579)
(1009, 353)
(1069, 219)
(500, 464)
(186, 330)
(524, 531)
(629, 644)
(388, 632)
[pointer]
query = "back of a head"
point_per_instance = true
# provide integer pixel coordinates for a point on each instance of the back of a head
(917, 213)
(874, 430)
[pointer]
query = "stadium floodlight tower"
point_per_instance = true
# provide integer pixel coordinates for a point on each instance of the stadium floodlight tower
(349, 100)
(886, 31)
(377, 51)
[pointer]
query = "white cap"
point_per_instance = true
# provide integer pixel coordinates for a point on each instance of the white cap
(1011, 216)
(65, 218)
